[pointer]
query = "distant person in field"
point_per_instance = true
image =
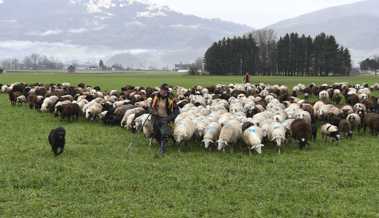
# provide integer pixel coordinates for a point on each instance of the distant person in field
(246, 78)
(164, 111)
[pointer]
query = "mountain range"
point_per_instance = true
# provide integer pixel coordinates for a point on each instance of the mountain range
(140, 34)
(355, 26)
(130, 32)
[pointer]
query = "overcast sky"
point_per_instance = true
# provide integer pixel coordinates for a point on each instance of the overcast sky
(256, 13)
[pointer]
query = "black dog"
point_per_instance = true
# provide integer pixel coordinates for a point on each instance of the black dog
(57, 140)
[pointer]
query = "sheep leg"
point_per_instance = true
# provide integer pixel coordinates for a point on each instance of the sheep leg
(279, 152)
(231, 149)
(180, 147)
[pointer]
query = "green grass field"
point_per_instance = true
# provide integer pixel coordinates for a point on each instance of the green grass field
(109, 172)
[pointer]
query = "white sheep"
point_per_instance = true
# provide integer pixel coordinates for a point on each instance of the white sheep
(21, 99)
(253, 137)
(211, 134)
(184, 131)
(330, 131)
(277, 134)
(355, 121)
(59, 103)
(140, 121)
(48, 103)
(93, 111)
(304, 115)
(324, 96)
(121, 103)
(230, 133)
(5, 89)
(124, 120)
(359, 107)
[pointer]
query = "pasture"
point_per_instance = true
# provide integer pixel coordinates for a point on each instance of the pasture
(110, 172)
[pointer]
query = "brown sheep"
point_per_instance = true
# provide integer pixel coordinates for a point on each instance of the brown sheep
(345, 128)
(309, 109)
(352, 99)
(371, 121)
(35, 101)
(13, 95)
(69, 111)
(40, 91)
(302, 132)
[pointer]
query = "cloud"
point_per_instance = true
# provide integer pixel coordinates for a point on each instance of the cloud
(63, 51)
(181, 26)
(46, 33)
(79, 30)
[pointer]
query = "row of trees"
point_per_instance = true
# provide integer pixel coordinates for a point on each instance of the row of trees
(32, 62)
(292, 55)
(370, 64)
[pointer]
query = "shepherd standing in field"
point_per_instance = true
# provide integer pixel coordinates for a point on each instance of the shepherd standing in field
(246, 78)
(164, 111)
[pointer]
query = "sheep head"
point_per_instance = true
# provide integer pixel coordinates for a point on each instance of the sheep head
(303, 142)
(222, 144)
(207, 143)
(257, 148)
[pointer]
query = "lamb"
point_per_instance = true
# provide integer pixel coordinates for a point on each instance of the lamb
(131, 121)
(21, 99)
(148, 129)
(211, 134)
(345, 128)
(277, 134)
(57, 140)
(129, 112)
(140, 121)
(230, 133)
(301, 131)
(253, 137)
(330, 131)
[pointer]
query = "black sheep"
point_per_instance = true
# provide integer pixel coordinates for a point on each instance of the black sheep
(302, 132)
(57, 140)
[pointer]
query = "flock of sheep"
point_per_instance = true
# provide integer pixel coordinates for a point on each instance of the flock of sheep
(220, 116)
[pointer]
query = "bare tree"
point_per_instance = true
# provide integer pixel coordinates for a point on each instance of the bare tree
(266, 41)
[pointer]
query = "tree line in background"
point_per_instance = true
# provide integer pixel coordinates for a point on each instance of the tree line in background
(370, 64)
(32, 62)
(259, 53)
(42, 62)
